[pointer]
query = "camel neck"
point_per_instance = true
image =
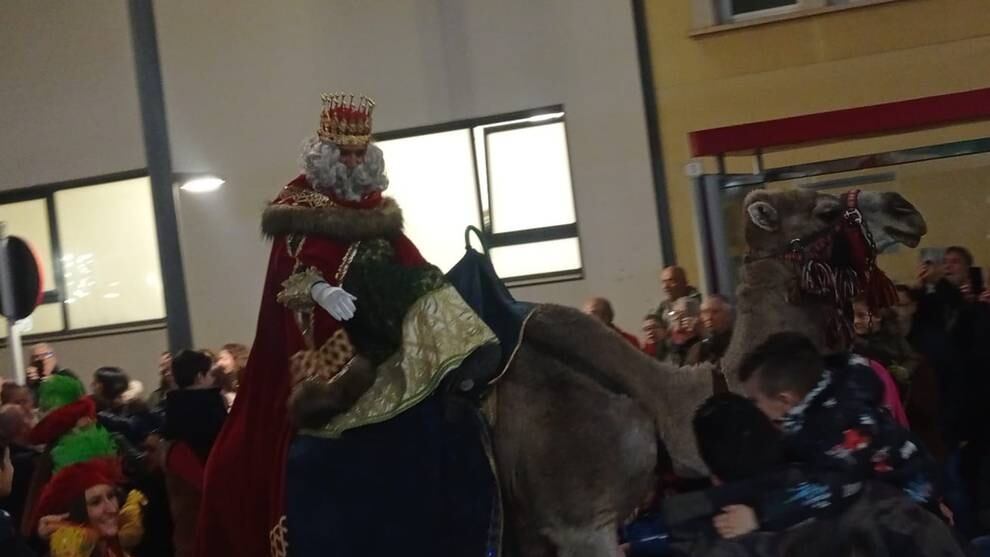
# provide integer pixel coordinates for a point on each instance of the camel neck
(766, 305)
(768, 275)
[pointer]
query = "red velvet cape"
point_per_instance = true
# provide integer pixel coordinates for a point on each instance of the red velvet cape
(244, 482)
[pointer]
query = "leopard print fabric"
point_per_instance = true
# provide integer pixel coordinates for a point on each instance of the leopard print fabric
(324, 363)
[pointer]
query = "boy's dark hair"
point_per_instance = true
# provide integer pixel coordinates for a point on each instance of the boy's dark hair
(735, 439)
(187, 365)
(784, 362)
(113, 381)
(961, 252)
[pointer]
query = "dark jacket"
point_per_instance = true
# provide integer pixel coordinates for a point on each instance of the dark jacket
(194, 416)
(11, 544)
(23, 460)
(953, 336)
(688, 354)
(880, 522)
(713, 348)
(838, 437)
(134, 422)
(841, 432)
(690, 514)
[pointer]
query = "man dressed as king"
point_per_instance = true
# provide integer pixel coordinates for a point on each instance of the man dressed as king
(349, 435)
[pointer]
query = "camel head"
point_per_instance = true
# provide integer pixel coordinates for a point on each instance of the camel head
(776, 219)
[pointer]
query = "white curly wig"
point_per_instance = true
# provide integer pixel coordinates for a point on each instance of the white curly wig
(320, 162)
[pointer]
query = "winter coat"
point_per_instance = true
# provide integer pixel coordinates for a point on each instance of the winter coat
(837, 438)
(193, 418)
(952, 335)
(841, 433)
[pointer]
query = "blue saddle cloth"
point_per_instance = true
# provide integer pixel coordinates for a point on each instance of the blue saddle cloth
(421, 484)
(475, 280)
(418, 485)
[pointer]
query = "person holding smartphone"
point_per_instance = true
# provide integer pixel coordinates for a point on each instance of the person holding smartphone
(951, 330)
(43, 364)
(956, 268)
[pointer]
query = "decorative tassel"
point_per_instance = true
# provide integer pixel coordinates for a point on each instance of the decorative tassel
(839, 265)
(818, 279)
(846, 286)
(880, 290)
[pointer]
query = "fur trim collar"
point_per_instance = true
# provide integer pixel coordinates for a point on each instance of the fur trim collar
(333, 221)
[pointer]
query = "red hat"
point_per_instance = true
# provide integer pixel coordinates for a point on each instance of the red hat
(60, 421)
(71, 483)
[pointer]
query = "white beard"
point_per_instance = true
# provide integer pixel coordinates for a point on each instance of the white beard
(320, 162)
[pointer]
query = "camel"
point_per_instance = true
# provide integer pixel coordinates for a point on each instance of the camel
(580, 413)
(768, 283)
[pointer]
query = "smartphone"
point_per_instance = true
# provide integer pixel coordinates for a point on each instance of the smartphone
(976, 279)
(931, 255)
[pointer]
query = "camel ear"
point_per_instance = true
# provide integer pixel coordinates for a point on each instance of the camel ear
(763, 215)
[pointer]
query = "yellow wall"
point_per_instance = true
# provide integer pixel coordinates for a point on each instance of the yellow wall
(855, 57)
(953, 195)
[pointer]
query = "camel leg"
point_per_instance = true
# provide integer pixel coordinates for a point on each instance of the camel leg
(574, 458)
(524, 540)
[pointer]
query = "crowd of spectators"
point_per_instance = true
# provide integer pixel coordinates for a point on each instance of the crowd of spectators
(918, 372)
(906, 411)
(159, 445)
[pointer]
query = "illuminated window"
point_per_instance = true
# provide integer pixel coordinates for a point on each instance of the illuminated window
(508, 175)
(109, 254)
(98, 250)
(432, 176)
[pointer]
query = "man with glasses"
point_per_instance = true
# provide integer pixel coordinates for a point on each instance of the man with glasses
(43, 364)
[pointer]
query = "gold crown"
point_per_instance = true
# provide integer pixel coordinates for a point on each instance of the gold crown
(346, 119)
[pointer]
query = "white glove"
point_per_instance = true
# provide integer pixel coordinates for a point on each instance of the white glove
(337, 301)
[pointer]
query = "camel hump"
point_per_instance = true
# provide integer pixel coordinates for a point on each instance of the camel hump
(590, 347)
(670, 393)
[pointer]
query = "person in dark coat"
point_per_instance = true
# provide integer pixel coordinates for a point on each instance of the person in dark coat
(15, 426)
(717, 317)
(829, 412)
(194, 414)
(950, 328)
(44, 364)
(749, 464)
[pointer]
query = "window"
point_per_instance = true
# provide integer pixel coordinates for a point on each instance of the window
(507, 175)
(735, 10)
(717, 15)
(98, 249)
